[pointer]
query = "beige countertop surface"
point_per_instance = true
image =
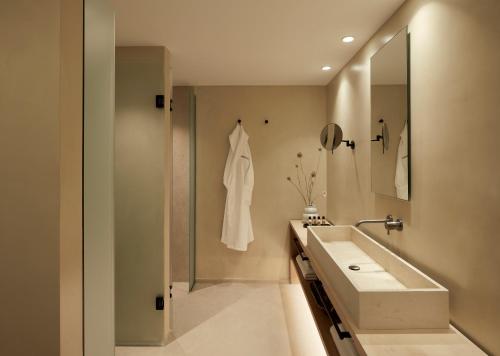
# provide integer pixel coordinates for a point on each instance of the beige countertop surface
(442, 342)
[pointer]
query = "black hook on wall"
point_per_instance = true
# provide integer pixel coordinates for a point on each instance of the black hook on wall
(266, 121)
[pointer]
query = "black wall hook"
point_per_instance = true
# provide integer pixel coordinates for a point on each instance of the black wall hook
(266, 121)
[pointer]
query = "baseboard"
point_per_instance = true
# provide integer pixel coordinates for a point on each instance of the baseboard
(139, 344)
(241, 280)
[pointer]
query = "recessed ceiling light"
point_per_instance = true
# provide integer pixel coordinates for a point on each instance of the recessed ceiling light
(326, 68)
(347, 39)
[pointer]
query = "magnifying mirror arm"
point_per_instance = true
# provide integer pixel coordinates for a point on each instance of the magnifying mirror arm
(350, 144)
(380, 138)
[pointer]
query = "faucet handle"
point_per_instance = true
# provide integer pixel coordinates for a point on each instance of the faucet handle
(392, 224)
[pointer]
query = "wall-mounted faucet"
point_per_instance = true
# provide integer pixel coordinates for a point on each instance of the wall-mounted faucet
(389, 223)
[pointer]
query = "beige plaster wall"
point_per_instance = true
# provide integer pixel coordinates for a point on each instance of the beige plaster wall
(450, 223)
(296, 115)
(40, 155)
(180, 223)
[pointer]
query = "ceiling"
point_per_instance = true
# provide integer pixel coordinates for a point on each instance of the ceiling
(251, 42)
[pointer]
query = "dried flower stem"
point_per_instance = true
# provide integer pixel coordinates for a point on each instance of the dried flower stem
(306, 190)
(298, 177)
(299, 190)
(318, 161)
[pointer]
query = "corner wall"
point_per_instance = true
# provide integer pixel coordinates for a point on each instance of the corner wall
(296, 116)
(450, 223)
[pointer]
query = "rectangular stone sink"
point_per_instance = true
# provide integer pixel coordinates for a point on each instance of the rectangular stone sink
(386, 292)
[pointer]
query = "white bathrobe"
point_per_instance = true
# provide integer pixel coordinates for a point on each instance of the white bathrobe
(401, 178)
(237, 230)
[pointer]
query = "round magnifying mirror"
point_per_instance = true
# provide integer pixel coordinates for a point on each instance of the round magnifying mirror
(331, 137)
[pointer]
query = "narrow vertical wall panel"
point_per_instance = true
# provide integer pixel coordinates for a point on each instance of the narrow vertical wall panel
(139, 195)
(192, 189)
(71, 133)
(98, 179)
(181, 158)
(168, 201)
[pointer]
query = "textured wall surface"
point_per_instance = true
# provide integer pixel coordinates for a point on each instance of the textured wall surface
(296, 115)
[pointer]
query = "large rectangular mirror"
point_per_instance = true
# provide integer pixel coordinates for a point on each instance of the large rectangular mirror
(390, 119)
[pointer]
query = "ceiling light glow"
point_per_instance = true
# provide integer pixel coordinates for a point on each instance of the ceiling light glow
(347, 39)
(326, 68)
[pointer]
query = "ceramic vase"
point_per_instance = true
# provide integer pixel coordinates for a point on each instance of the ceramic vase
(309, 210)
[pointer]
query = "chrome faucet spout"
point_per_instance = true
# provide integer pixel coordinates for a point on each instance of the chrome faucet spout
(370, 221)
(389, 223)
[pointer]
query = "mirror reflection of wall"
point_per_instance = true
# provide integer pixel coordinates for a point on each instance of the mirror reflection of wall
(389, 118)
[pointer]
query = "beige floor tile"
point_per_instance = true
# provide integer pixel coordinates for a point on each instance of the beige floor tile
(252, 325)
(234, 319)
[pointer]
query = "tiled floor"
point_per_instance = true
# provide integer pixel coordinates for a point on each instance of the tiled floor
(237, 319)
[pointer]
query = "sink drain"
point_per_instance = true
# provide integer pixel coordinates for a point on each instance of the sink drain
(354, 268)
